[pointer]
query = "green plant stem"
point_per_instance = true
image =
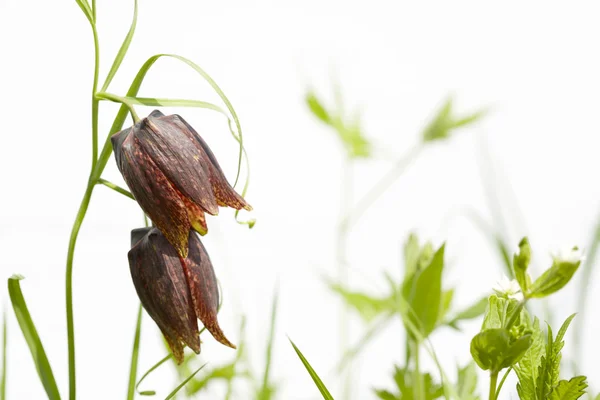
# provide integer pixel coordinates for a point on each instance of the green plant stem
(69, 285)
(493, 383)
(116, 188)
(418, 379)
(502, 382)
(95, 101)
(342, 264)
(118, 99)
(380, 187)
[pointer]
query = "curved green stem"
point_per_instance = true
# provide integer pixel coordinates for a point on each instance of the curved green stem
(118, 99)
(502, 382)
(69, 285)
(116, 188)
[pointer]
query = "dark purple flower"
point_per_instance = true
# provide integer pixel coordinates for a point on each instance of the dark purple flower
(173, 175)
(176, 291)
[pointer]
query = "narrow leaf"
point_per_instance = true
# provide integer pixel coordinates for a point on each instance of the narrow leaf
(32, 338)
(266, 390)
(158, 364)
(182, 384)
(87, 11)
(324, 392)
(473, 311)
(123, 50)
(317, 108)
(135, 352)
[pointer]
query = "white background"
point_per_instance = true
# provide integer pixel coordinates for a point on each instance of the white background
(534, 64)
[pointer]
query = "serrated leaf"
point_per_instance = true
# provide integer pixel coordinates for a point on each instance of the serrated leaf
(318, 382)
(527, 367)
(42, 365)
(569, 390)
(367, 307)
(473, 311)
(425, 298)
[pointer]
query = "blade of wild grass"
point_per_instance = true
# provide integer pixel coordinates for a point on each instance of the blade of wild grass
(318, 382)
(265, 391)
(135, 352)
(182, 384)
(586, 276)
(158, 364)
(123, 50)
(4, 341)
(32, 338)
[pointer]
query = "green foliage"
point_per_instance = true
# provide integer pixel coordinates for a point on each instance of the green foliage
(442, 125)
(424, 294)
(349, 132)
(135, 351)
(318, 382)
(539, 370)
(569, 390)
(495, 349)
(473, 311)
(405, 384)
(521, 263)
(268, 389)
(467, 382)
(554, 279)
(368, 307)
(42, 365)
(527, 367)
(182, 384)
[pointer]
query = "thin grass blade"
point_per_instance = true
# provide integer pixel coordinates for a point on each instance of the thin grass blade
(266, 389)
(123, 50)
(32, 338)
(318, 382)
(135, 356)
(182, 384)
(155, 366)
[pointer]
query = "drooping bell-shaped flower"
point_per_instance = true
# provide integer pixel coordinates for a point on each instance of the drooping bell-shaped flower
(176, 291)
(173, 175)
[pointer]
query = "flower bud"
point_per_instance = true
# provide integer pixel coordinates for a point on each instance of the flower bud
(176, 291)
(173, 175)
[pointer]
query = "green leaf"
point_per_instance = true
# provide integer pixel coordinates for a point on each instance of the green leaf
(444, 122)
(412, 252)
(87, 10)
(226, 372)
(122, 51)
(135, 352)
(324, 392)
(554, 279)
(569, 390)
(182, 384)
(520, 265)
(495, 349)
(42, 365)
(447, 296)
(473, 311)
(549, 369)
(367, 307)
(425, 298)
(467, 382)
(155, 366)
(267, 389)
(527, 367)
(317, 108)
(405, 383)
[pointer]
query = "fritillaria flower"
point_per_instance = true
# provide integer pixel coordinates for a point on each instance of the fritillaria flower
(176, 291)
(173, 175)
